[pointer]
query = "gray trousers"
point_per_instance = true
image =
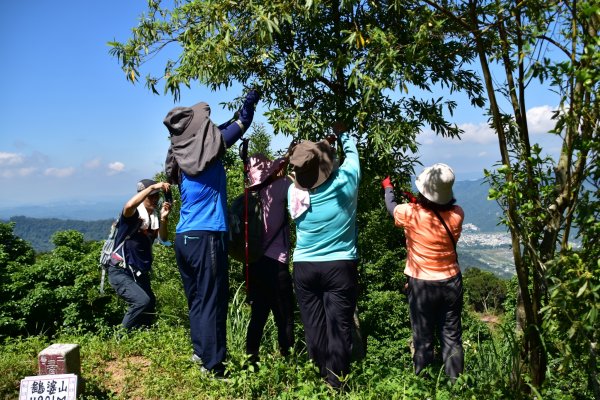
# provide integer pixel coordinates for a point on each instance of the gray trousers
(435, 309)
(138, 294)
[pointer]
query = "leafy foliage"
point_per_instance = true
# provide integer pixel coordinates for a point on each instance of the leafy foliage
(571, 316)
(486, 291)
(315, 62)
(58, 290)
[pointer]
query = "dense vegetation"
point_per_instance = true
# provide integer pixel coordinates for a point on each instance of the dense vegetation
(317, 61)
(54, 297)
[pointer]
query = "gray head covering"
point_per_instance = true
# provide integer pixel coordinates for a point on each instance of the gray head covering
(195, 141)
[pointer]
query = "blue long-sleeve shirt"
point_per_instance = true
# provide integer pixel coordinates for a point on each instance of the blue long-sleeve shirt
(327, 230)
(204, 197)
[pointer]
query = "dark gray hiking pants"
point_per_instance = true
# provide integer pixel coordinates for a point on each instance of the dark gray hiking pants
(435, 308)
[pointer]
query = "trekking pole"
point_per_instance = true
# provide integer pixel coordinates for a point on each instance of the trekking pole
(245, 161)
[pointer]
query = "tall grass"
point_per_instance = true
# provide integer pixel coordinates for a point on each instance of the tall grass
(155, 364)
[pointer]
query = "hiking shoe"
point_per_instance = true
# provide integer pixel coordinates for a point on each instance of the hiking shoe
(196, 359)
(219, 376)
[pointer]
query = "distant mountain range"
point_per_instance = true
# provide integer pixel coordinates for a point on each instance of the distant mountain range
(38, 223)
(479, 211)
(39, 231)
(71, 210)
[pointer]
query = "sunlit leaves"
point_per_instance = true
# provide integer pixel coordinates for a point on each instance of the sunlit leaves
(314, 62)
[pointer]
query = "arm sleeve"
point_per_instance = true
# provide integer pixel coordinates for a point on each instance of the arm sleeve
(390, 200)
(225, 124)
(352, 161)
(231, 134)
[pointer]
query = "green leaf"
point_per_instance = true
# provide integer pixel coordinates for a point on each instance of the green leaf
(582, 289)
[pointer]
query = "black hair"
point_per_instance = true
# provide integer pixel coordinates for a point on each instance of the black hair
(430, 205)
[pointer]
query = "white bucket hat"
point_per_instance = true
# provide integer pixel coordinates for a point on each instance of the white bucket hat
(435, 183)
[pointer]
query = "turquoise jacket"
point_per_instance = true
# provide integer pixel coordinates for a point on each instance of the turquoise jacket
(327, 230)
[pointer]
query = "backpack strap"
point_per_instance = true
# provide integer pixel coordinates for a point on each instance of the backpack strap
(437, 213)
(137, 226)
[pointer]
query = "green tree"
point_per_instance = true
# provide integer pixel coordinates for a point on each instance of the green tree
(485, 290)
(13, 249)
(259, 141)
(539, 195)
(315, 62)
(58, 290)
(15, 254)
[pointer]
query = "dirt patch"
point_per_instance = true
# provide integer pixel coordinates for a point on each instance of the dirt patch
(490, 319)
(124, 376)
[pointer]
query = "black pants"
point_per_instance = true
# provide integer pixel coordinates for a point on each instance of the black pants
(326, 293)
(435, 308)
(270, 289)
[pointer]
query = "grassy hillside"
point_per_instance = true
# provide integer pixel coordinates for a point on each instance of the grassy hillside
(155, 364)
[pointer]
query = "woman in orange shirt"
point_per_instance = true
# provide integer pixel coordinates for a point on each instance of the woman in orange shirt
(432, 225)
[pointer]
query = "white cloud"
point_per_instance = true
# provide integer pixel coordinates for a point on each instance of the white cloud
(479, 133)
(92, 164)
(428, 138)
(539, 119)
(116, 167)
(10, 158)
(26, 171)
(59, 172)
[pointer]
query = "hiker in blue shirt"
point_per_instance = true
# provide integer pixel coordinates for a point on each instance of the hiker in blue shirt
(194, 163)
(322, 201)
(129, 273)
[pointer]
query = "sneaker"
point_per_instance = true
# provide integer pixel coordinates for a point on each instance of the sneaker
(196, 359)
(220, 376)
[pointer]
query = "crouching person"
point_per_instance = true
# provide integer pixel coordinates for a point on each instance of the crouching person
(131, 261)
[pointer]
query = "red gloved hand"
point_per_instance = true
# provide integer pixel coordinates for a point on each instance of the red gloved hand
(411, 197)
(387, 183)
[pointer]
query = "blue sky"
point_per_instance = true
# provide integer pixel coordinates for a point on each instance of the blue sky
(74, 129)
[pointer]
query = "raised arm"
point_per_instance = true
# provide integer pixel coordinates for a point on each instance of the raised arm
(390, 199)
(232, 131)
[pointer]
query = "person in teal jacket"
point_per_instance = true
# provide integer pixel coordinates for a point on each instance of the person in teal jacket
(322, 201)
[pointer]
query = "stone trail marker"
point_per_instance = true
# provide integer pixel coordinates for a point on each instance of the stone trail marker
(59, 367)
(59, 358)
(49, 387)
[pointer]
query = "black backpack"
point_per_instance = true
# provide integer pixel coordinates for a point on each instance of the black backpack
(237, 237)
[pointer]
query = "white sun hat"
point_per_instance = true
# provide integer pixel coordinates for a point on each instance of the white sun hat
(435, 183)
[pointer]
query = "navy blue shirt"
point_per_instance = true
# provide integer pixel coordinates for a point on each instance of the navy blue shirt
(138, 248)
